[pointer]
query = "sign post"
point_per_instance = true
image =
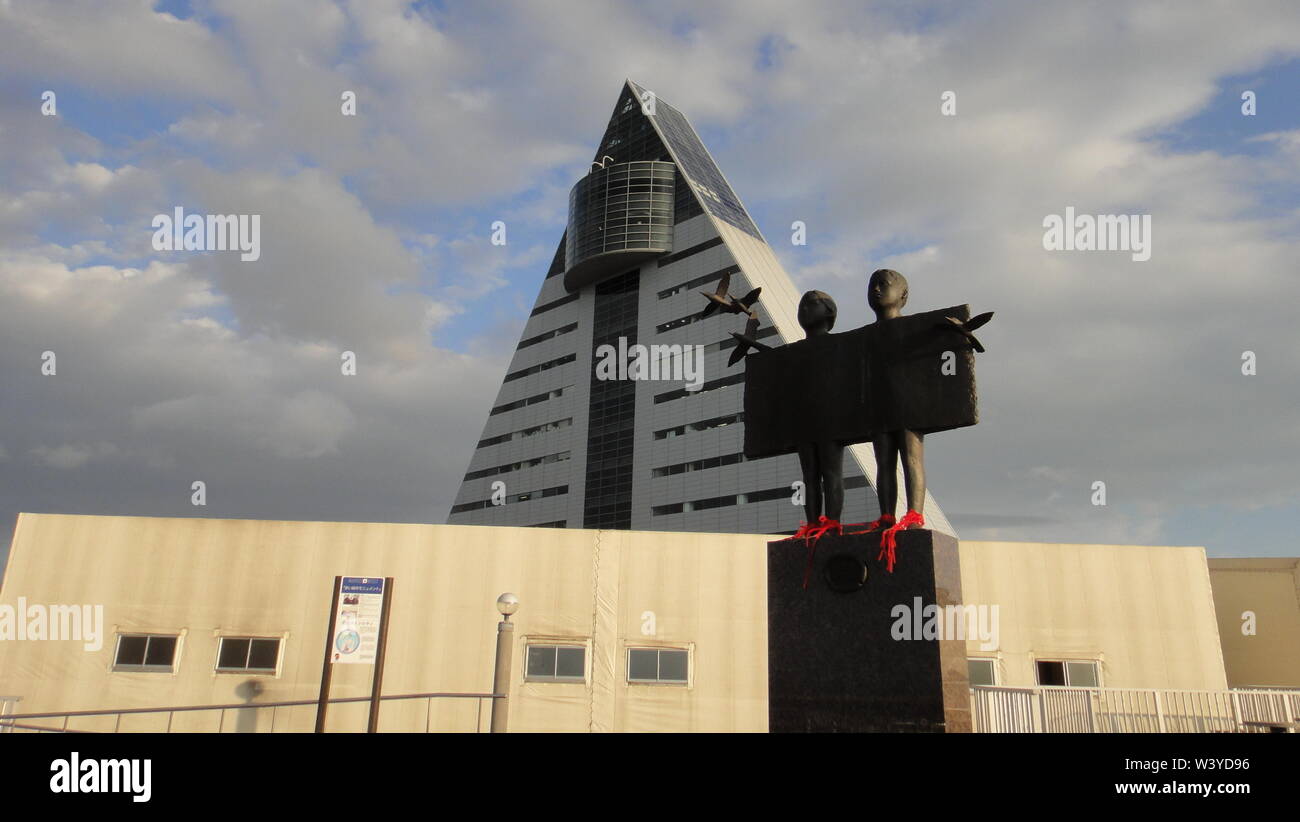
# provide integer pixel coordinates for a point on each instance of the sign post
(373, 724)
(323, 704)
(358, 635)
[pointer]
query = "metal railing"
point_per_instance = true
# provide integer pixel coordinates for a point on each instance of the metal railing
(1062, 709)
(994, 709)
(248, 719)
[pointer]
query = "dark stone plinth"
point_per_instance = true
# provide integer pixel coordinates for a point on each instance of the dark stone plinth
(833, 662)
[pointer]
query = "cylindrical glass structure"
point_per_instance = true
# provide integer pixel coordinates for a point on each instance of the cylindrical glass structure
(619, 216)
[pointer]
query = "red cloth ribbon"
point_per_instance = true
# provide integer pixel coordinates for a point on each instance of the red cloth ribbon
(810, 534)
(889, 537)
(875, 524)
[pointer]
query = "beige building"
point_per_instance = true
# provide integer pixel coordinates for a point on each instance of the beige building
(1127, 616)
(1258, 606)
(617, 630)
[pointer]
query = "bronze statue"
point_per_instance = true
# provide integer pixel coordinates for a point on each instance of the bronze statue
(890, 383)
(821, 458)
(887, 294)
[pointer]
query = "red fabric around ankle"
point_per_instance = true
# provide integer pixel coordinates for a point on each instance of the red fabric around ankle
(889, 538)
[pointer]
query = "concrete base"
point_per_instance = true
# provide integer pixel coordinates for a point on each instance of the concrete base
(834, 664)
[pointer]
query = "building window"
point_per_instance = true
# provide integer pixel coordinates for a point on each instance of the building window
(1074, 673)
(544, 428)
(684, 253)
(697, 465)
(982, 671)
(548, 335)
(663, 665)
(540, 367)
(711, 385)
(248, 655)
(533, 400)
(146, 652)
(523, 496)
(542, 309)
(557, 663)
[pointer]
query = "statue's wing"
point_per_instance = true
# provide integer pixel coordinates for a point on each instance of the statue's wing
(957, 325)
(724, 284)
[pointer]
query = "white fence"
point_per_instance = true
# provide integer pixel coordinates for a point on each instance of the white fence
(1057, 709)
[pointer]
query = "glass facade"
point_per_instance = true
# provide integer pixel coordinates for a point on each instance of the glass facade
(630, 136)
(618, 216)
(611, 417)
(710, 186)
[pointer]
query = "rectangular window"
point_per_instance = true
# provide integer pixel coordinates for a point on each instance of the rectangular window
(677, 323)
(254, 655)
(695, 249)
(533, 400)
(708, 279)
(661, 665)
(982, 671)
(542, 309)
(544, 428)
(1081, 674)
(1050, 673)
(697, 465)
(540, 367)
(146, 652)
(556, 663)
(711, 385)
(1074, 673)
(549, 335)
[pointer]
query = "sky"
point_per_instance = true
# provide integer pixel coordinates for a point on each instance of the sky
(179, 366)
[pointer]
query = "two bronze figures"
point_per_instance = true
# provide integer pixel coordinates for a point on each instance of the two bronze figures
(889, 383)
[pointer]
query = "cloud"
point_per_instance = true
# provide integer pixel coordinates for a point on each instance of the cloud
(196, 365)
(124, 49)
(66, 457)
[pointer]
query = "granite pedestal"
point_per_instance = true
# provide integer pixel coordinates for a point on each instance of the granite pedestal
(834, 664)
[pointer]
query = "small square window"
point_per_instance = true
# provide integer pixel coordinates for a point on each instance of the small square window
(661, 665)
(541, 661)
(570, 663)
(145, 652)
(556, 663)
(264, 654)
(672, 665)
(1050, 673)
(248, 654)
(1081, 674)
(130, 650)
(981, 671)
(1074, 673)
(642, 666)
(161, 651)
(233, 654)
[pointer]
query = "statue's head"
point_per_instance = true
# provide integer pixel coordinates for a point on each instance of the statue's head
(887, 290)
(817, 312)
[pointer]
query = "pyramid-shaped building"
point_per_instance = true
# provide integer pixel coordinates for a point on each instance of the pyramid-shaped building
(652, 225)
